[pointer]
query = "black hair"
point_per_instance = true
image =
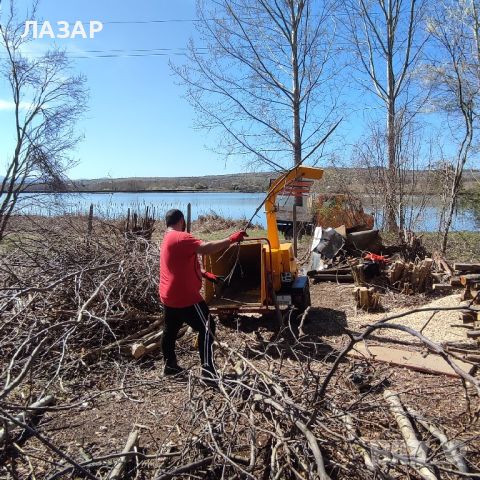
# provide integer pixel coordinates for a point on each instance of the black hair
(173, 216)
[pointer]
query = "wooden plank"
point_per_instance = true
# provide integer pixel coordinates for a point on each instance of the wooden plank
(412, 360)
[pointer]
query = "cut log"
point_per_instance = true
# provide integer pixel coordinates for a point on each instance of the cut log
(473, 334)
(358, 275)
(366, 298)
(151, 343)
(332, 277)
(153, 347)
(455, 282)
(467, 267)
(396, 272)
(94, 354)
(138, 350)
(458, 325)
(469, 317)
(416, 449)
(469, 278)
(411, 277)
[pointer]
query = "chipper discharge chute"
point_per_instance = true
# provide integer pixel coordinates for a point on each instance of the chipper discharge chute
(261, 271)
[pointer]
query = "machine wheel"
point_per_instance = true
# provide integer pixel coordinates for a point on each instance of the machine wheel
(301, 293)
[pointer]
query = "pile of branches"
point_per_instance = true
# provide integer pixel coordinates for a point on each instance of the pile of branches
(294, 411)
(291, 407)
(70, 288)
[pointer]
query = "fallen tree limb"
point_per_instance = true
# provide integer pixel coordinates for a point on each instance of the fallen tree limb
(117, 470)
(47, 443)
(26, 415)
(415, 448)
(187, 468)
(450, 447)
(312, 441)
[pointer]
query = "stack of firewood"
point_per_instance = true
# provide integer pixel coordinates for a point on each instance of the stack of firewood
(469, 278)
(411, 277)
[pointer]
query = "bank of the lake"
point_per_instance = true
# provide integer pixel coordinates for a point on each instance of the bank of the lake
(236, 205)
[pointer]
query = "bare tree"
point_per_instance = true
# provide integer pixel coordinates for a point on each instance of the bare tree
(265, 78)
(455, 74)
(414, 171)
(387, 38)
(47, 100)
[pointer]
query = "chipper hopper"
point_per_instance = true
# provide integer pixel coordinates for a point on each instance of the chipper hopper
(262, 273)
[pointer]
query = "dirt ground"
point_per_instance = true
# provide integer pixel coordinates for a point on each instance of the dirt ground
(99, 406)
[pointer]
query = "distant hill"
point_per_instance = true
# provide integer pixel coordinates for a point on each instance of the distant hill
(334, 181)
(250, 182)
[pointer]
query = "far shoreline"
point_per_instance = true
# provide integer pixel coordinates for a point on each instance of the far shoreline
(107, 192)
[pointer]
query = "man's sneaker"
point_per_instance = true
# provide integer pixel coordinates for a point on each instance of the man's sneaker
(173, 369)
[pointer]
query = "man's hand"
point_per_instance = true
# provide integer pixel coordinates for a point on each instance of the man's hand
(238, 236)
(210, 277)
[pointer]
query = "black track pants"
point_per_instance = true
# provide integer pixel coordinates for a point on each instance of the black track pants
(198, 317)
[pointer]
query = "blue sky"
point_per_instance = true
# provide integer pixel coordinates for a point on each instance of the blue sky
(138, 124)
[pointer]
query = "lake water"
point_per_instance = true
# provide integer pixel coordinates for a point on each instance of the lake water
(236, 205)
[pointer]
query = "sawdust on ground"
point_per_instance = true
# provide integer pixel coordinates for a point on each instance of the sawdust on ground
(334, 301)
(437, 325)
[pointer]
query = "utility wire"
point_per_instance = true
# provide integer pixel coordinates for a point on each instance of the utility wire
(121, 53)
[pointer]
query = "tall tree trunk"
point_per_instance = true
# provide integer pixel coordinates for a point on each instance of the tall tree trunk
(297, 135)
(391, 184)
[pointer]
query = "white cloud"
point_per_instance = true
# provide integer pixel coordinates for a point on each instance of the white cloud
(8, 105)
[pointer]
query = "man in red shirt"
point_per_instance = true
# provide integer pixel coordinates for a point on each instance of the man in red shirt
(180, 285)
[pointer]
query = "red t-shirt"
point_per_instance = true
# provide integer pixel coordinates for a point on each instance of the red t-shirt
(180, 274)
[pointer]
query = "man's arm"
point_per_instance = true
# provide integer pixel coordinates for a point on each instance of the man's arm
(207, 248)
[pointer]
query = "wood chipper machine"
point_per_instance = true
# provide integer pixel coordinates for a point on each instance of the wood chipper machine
(261, 274)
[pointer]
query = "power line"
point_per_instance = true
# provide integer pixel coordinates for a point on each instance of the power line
(122, 53)
(142, 22)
